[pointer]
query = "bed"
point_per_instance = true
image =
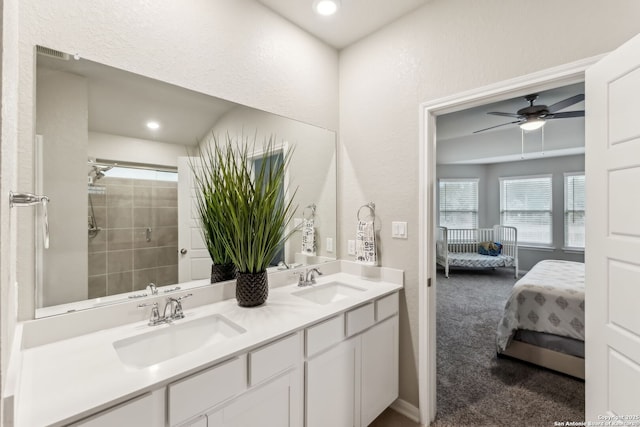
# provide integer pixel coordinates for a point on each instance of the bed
(543, 321)
(457, 247)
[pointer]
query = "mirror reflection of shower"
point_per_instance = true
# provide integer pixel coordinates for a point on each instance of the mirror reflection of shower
(96, 172)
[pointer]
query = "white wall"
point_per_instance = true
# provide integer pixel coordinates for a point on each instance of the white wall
(443, 48)
(236, 50)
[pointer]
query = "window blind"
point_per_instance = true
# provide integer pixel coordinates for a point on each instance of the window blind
(458, 201)
(574, 230)
(525, 203)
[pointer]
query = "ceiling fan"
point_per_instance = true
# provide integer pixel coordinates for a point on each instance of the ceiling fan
(534, 117)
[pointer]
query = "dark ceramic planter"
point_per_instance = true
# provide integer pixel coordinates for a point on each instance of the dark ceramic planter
(222, 272)
(252, 289)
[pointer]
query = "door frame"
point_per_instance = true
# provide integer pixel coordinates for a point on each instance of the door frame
(563, 75)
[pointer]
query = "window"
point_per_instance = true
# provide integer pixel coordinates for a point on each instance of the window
(458, 203)
(574, 210)
(525, 203)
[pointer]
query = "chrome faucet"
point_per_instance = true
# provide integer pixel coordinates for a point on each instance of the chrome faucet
(175, 310)
(308, 278)
(151, 287)
(175, 305)
(155, 318)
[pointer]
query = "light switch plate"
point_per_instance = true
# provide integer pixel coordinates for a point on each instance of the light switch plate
(329, 244)
(399, 229)
(351, 247)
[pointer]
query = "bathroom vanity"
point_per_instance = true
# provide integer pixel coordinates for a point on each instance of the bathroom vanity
(320, 355)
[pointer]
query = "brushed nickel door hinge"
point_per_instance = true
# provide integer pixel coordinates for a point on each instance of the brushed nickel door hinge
(429, 282)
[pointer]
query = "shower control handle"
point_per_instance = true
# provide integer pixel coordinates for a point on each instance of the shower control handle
(183, 251)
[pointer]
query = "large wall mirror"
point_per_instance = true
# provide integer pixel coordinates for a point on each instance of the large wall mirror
(121, 215)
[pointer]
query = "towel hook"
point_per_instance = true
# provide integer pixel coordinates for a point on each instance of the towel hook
(311, 209)
(372, 209)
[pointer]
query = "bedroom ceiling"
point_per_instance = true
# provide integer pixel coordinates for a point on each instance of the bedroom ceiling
(457, 144)
(354, 20)
(465, 122)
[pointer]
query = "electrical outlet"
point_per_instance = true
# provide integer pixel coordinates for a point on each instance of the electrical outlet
(351, 247)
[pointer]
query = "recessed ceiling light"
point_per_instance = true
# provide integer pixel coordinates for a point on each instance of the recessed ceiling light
(153, 125)
(326, 7)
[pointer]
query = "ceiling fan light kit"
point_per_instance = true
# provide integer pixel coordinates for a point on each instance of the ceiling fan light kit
(532, 124)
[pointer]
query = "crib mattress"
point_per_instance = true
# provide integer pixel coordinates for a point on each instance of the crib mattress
(470, 259)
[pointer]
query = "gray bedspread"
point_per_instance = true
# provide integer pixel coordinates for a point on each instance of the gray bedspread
(549, 298)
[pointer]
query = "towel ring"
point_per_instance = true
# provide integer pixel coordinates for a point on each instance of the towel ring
(372, 209)
(311, 209)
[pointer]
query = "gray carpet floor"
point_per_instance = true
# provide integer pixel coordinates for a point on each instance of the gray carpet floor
(475, 388)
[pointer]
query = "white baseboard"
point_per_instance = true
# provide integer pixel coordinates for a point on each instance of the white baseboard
(407, 409)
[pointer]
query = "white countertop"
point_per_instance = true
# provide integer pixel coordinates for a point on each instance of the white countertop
(66, 380)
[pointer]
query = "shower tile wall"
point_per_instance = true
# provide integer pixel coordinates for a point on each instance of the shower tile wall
(124, 256)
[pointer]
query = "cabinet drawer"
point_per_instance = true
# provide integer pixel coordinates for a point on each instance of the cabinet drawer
(324, 335)
(272, 359)
(144, 411)
(387, 306)
(201, 391)
(360, 319)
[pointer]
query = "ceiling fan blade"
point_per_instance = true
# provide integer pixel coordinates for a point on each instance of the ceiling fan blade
(566, 115)
(497, 113)
(497, 126)
(566, 102)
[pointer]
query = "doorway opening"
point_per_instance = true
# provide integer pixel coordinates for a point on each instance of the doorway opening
(501, 209)
(430, 112)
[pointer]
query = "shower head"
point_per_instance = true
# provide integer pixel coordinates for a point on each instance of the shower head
(98, 171)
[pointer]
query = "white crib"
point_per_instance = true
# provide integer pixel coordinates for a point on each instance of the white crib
(457, 247)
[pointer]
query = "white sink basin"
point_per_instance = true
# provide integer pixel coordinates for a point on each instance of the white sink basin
(171, 340)
(327, 293)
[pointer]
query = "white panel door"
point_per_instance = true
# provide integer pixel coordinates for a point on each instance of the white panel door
(194, 262)
(612, 253)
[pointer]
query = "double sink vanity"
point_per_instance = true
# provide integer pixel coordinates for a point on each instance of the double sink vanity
(319, 355)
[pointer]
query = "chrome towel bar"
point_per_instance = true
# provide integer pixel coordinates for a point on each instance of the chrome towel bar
(29, 199)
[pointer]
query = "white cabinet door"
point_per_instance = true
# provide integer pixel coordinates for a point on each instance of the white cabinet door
(144, 411)
(275, 404)
(379, 369)
(332, 397)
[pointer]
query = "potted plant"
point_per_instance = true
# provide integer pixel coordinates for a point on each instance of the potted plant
(212, 218)
(256, 215)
